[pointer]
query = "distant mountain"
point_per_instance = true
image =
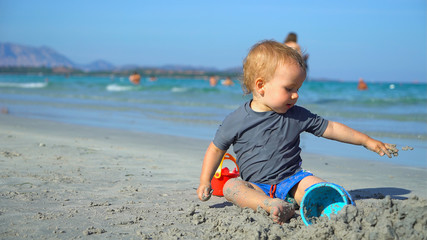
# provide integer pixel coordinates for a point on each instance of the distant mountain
(15, 55)
(187, 68)
(99, 65)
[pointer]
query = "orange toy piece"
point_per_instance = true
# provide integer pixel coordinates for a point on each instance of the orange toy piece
(222, 175)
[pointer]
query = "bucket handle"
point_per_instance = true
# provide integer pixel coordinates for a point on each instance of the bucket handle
(226, 156)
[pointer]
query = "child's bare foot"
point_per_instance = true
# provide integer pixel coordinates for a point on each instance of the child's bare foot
(280, 211)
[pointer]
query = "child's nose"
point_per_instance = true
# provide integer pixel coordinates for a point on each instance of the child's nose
(294, 96)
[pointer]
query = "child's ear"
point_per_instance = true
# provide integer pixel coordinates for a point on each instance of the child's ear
(259, 86)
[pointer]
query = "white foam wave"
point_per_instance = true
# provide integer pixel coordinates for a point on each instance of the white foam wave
(24, 85)
(118, 88)
(179, 89)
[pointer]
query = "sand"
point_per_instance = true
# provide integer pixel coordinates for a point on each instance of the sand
(60, 181)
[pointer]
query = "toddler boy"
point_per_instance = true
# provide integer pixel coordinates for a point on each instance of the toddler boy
(265, 134)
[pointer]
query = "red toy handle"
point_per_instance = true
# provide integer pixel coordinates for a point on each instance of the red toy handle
(226, 156)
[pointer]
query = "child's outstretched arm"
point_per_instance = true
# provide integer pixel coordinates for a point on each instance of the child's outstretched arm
(340, 132)
(211, 162)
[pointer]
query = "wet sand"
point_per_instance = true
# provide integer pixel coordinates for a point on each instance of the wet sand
(62, 181)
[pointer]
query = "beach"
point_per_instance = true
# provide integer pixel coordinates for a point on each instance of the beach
(69, 181)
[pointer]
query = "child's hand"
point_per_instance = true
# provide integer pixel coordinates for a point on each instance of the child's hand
(382, 148)
(204, 192)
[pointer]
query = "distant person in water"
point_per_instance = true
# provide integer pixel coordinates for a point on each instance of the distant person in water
(213, 80)
(292, 41)
(227, 82)
(362, 85)
(135, 78)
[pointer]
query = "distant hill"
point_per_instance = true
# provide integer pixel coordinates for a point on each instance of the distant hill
(99, 65)
(15, 55)
(187, 68)
(24, 56)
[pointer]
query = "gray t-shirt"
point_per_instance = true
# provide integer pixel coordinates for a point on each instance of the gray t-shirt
(267, 143)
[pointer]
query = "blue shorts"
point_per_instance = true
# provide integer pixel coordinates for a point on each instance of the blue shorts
(283, 188)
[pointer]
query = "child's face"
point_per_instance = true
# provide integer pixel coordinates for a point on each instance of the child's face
(281, 92)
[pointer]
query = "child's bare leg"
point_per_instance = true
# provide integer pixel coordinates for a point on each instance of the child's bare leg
(244, 194)
(298, 190)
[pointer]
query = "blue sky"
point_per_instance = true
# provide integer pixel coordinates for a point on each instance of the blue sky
(381, 40)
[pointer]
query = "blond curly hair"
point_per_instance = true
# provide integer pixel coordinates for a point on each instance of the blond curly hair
(263, 60)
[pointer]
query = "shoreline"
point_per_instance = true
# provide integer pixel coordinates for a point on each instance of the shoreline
(195, 109)
(68, 181)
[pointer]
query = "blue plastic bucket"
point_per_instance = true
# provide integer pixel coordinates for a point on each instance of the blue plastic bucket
(323, 199)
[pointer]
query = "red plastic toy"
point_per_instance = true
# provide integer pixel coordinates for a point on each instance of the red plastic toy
(222, 175)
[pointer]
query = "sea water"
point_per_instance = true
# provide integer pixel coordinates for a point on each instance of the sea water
(391, 112)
